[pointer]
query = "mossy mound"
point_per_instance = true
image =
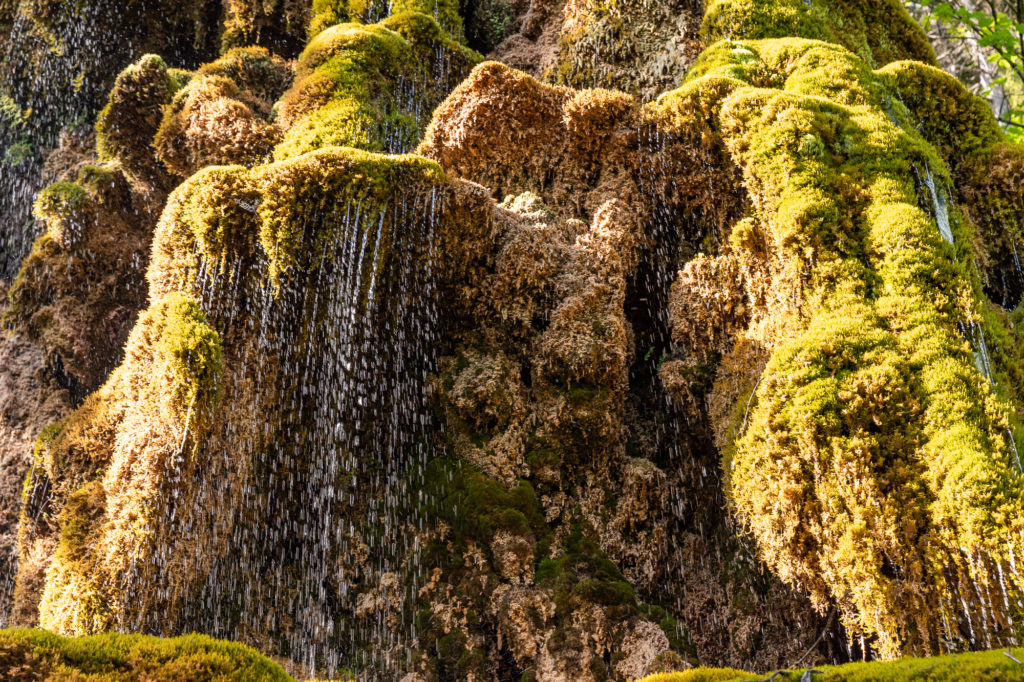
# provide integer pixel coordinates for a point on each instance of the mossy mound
(878, 32)
(371, 87)
(126, 126)
(36, 655)
(982, 666)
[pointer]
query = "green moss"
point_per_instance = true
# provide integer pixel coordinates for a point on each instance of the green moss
(582, 574)
(678, 637)
(982, 666)
(370, 87)
(325, 183)
(328, 13)
(99, 181)
(582, 392)
(36, 654)
(476, 507)
(879, 32)
(444, 12)
(46, 438)
(189, 344)
(873, 422)
(179, 79)
(61, 207)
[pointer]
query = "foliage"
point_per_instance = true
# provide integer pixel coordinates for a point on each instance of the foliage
(998, 26)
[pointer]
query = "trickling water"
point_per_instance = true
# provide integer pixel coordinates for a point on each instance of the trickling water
(938, 196)
(323, 420)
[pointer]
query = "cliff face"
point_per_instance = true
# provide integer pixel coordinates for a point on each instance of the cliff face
(396, 360)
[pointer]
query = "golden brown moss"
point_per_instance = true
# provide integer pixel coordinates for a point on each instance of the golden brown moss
(223, 114)
(77, 305)
(279, 25)
(111, 522)
(127, 125)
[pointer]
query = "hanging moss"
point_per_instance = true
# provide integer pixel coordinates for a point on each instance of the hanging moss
(328, 13)
(60, 207)
(862, 467)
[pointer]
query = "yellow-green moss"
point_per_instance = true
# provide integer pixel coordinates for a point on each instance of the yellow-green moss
(879, 32)
(982, 666)
(60, 206)
(873, 467)
(326, 183)
(39, 655)
(189, 345)
(328, 13)
(371, 87)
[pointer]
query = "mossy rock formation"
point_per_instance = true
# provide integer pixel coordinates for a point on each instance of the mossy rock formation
(441, 370)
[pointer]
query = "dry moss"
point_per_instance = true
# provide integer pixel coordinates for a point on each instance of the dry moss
(127, 125)
(78, 289)
(223, 114)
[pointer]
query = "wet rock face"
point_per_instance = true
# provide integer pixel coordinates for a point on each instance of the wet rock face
(581, 389)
